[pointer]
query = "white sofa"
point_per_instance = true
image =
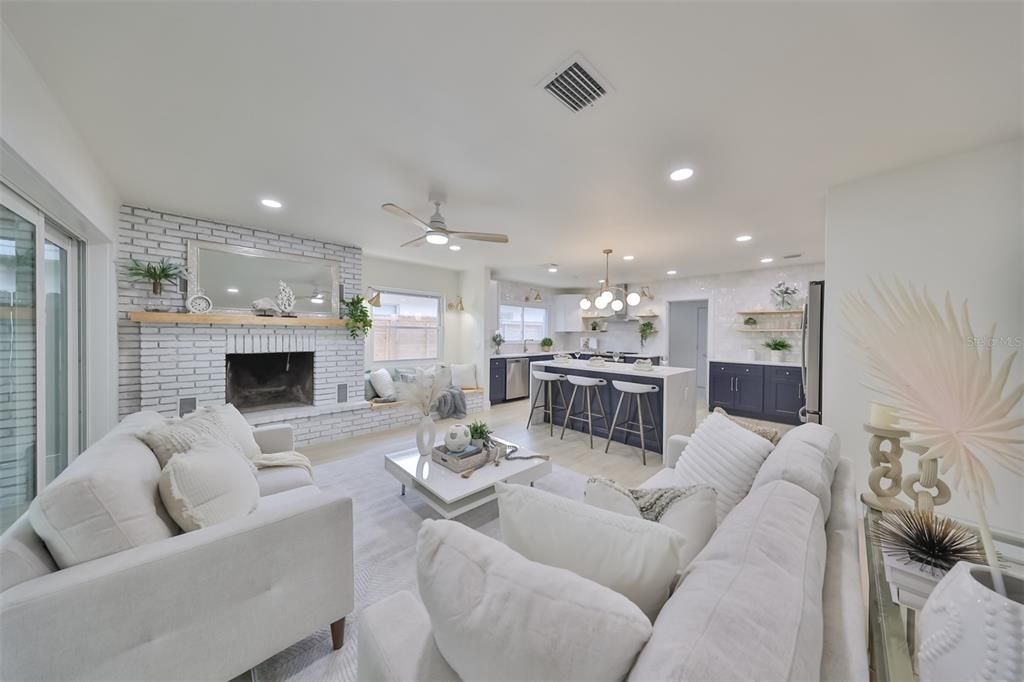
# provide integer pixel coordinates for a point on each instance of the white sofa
(204, 605)
(396, 642)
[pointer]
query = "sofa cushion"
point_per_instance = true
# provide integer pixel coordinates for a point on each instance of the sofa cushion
(23, 556)
(496, 615)
(806, 456)
(769, 433)
(750, 605)
(383, 384)
(208, 484)
(665, 478)
(273, 480)
(106, 501)
(179, 435)
(637, 558)
(689, 511)
(725, 456)
(237, 428)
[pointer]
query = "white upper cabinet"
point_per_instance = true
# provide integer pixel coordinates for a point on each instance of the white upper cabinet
(566, 314)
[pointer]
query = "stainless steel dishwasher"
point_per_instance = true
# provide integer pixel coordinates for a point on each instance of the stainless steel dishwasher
(517, 378)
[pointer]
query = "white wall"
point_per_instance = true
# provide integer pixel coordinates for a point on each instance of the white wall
(44, 158)
(954, 224)
(392, 274)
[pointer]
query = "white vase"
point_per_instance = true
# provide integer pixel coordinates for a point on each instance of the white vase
(426, 435)
(969, 631)
(777, 355)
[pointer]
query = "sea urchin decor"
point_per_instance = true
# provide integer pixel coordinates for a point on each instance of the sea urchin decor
(935, 541)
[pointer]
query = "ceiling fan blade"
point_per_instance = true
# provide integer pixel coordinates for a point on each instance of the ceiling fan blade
(419, 241)
(396, 210)
(481, 236)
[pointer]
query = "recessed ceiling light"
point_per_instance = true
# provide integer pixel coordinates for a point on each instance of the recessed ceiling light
(552, 269)
(454, 247)
(232, 290)
(628, 257)
(767, 260)
(271, 203)
(681, 174)
(671, 272)
(744, 238)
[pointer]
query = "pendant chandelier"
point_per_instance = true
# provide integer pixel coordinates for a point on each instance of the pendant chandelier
(609, 295)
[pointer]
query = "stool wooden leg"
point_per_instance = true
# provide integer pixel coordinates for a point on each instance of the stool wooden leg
(611, 431)
(654, 425)
(533, 407)
(640, 421)
(600, 403)
(568, 412)
(551, 412)
(590, 417)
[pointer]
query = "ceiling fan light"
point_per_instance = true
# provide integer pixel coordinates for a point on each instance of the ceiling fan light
(633, 298)
(617, 305)
(585, 303)
(437, 238)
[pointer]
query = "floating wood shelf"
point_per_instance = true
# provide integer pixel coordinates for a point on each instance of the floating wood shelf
(765, 329)
(795, 311)
(143, 317)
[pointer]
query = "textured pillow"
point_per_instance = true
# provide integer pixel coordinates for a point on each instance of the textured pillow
(383, 384)
(237, 429)
(496, 615)
(368, 391)
(106, 501)
(208, 484)
(806, 456)
(464, 376)
(639, 559)
(180, 435)
(690, 511)
(766, 432)
(725, 456)
(750, 607)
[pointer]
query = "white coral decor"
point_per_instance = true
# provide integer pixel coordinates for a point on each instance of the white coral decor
(285, 297)
(938, 376)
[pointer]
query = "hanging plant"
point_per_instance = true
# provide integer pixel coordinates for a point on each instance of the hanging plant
(646, 331)
(357, 317)
(155, 273)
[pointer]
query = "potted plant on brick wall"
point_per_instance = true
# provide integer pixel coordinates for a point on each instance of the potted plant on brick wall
(357, 317)
(157, 274)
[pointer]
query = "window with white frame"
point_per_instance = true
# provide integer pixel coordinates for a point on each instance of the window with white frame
(520, 323)
(406, 327)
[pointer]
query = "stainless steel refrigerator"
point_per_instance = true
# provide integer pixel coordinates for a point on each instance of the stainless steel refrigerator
(811, 352)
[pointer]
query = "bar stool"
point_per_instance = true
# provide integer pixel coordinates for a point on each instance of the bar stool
(590, 385)
(631, 388)
(548, 408)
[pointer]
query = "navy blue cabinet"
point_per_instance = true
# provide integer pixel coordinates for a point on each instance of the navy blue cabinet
(497, 380)
(756, 391)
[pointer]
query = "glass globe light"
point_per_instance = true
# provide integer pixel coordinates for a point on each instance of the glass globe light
(633, 298)
(585, 303)
(601, 303)
(606, 296)
(617, 305)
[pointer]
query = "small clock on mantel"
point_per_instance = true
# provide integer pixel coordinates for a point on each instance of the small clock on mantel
(199, 303)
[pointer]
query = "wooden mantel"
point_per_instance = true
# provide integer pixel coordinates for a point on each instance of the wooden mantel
(143, 317)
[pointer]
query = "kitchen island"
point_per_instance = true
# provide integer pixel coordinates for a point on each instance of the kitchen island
(674, 406)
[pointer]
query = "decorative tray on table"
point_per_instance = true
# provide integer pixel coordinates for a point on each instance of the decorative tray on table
(458, 462)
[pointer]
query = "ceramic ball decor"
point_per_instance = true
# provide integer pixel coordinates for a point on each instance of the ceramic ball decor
(456, 438)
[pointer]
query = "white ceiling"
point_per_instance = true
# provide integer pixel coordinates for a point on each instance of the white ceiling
(335, 108)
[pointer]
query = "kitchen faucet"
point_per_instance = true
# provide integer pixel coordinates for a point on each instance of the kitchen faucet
(524, 344)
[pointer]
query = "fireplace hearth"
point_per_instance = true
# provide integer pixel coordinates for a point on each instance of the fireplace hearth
(261, 381)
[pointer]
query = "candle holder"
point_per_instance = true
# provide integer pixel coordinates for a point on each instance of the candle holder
(886, 466)
(927, 477)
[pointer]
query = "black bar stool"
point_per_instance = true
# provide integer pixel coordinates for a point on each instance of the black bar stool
(548, 408)
(590, 386)
(631, 388)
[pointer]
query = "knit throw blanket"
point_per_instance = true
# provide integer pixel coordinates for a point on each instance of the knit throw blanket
(451, 403)
(288, 458)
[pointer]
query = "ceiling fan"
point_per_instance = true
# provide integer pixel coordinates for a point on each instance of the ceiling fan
(436, 232)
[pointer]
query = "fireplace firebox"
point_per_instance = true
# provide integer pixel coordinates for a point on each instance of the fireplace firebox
(261, 381)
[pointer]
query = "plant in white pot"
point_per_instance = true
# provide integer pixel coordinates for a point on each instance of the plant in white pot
(778, 348)
(423, 394)
(929, 365)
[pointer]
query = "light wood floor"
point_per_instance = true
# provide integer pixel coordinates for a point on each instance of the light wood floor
(508, 420)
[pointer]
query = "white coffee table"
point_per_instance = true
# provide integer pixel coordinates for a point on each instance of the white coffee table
(447, 492)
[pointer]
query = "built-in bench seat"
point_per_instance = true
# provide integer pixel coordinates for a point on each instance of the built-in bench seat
(396, 403)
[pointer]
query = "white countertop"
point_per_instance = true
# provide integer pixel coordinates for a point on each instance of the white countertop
(626, 368)
(530, 354)
(759, 362)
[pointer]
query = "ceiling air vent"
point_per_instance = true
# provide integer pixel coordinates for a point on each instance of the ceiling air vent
(792, 255)
(577, 84)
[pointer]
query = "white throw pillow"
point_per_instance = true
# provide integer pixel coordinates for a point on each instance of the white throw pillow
(806, 456)
(208, 484)
(639, 559)
(464, 376)
(725, 456)
(382, 383)
(496, 615)
(180, 435)
(237, 428)
(689, 511)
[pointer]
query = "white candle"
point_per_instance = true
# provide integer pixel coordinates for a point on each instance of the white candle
(882, 416)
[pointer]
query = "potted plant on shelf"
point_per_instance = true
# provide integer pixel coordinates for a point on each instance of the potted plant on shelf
(778, 348)
(497, 340)
(646, 331)
(546, 343)
(479, 433)
(157, 274)
(357, 317)
(750, 322)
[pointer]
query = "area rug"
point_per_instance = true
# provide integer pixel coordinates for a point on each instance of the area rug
(384, 537)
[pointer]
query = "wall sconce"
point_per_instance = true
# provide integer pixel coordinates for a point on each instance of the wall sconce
(373, 297)
(634, 298)
(457, 306)
(533, 295)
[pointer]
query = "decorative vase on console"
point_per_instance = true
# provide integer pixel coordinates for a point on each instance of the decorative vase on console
(423, 394)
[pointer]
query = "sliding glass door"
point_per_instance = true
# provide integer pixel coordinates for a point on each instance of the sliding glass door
(39, 346)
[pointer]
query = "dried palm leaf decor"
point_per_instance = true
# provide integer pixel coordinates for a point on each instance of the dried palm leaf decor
(930, 367)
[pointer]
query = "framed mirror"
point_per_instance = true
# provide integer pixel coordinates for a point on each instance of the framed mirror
(235, 276)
